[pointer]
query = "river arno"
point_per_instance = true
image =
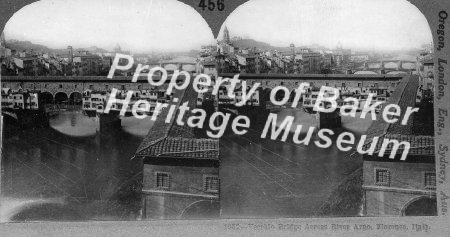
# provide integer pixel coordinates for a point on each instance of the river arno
(263, 178)
(95, 175)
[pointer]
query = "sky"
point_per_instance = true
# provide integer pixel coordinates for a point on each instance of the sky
(168, 25)
(368, 24)
(136, 25)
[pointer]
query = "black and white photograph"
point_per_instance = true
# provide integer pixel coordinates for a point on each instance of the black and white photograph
(136, 110)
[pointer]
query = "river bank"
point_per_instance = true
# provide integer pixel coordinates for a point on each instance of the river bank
(346, 199)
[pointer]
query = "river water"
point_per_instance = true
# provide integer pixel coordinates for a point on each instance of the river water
(93, 173)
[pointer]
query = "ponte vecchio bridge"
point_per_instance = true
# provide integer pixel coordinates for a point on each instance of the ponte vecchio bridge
(67, 87)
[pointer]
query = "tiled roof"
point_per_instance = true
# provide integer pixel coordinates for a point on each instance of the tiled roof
(404, 96)
(419, 145)
(174, 141)
(177, 147)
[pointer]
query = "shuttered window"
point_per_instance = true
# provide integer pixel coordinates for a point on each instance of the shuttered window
(211, 183)
(430, 180)
(382, 177)
(162, 180)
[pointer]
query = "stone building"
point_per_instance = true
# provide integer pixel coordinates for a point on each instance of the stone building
(393, 187)
(180, 168)
(86, 64)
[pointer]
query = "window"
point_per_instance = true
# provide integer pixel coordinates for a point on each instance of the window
(60, 85)
(430, 180)
(91, 87)
(211, 183)
(106, 87)
(327, 84)
(281, 83)
(382, 177)
(375, 85)
(359, 84)
(162, 180)
(122, 87)
(343, 84)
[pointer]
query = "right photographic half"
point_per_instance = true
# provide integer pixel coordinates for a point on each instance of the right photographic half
(339, 95)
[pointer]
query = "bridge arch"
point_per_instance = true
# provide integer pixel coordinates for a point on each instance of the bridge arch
(47, 98)
(280, 95)
(409, 66)
(365, 72)
(170, 67)
(76, 98)
(292, 96)
(420, 206)
(396, 72)
(201, 209)
(188, 67)
(61, 98)
(390, 65)
(265, 94)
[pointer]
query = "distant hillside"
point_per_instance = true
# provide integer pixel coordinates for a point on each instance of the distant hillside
(95, 49)
(251, 43)
(26, 45)
(20, 46)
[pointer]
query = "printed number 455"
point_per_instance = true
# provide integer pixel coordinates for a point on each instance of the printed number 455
(211, 5)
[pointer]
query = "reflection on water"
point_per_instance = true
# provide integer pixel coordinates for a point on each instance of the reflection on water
(137, 127)
(92, 171)
(267, 178)
(74, 124)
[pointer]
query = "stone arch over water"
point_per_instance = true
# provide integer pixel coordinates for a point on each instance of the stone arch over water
(421, 206)
(61, 98)
(47, 97)
(76, 98)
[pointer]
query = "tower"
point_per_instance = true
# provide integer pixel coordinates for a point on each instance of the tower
(226, 35)
(70, 53)
(117, 49)
(2, 45)
(2, 39)
(292, 46)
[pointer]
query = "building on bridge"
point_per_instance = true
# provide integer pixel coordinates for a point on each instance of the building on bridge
(180, 168)
(393, 187)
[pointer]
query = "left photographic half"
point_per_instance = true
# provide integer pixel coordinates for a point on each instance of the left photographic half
(73, 147)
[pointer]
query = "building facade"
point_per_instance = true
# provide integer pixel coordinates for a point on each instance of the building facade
(394, 187)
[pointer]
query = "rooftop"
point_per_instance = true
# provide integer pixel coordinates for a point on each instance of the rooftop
(404, 96)
(171, 140)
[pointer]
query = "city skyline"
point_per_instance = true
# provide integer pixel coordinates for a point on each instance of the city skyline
(364, 25)
(136, 25)
(315, 23)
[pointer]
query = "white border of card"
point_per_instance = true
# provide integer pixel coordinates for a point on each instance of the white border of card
(434, 12)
